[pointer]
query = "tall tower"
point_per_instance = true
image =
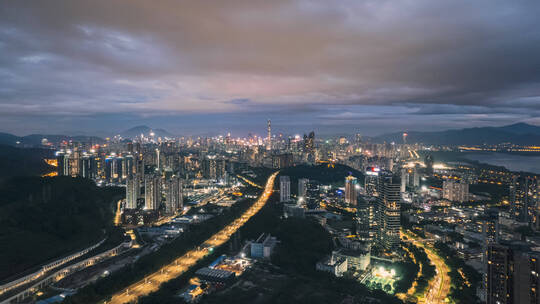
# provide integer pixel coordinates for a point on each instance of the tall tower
(389, 212)
(269, 140)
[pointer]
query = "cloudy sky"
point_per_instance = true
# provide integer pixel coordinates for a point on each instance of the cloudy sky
(194, 67)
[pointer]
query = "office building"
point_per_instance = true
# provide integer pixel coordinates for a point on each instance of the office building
(389, 212)
(371, 178)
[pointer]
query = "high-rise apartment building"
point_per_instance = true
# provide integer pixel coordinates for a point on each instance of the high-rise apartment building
(302, 187)
(456, 191)
(152, 192)
(62, 160)
(133, 191)
(512, 274)
(174, 198)
(284, 189)
(351, 187)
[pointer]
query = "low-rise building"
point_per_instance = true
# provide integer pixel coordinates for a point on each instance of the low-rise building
(263, 246)
(333, 264)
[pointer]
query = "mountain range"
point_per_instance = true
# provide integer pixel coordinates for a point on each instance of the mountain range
(519, 133)
(145, 130)
(34, 140)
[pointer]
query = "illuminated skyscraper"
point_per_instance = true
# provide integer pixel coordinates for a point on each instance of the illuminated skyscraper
(389, 212)
(351, 187)
(284, 189)
(371, 179)
(364, 219)
(269, 139)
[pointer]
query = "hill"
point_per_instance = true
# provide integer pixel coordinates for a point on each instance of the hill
(21, 162)
(520, 133)
(333, 174)
(45, 218)
(146, 130)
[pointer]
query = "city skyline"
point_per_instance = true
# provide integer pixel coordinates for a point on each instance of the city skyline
(198, 68)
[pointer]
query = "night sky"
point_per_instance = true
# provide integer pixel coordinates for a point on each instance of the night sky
(208, 67)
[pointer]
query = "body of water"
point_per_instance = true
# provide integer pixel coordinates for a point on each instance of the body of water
(512, 162)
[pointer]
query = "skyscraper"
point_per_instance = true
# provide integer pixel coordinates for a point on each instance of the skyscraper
(284, 189)
(152, 192)
(302, 187)
(309, 142)
(363, 219)
(371, 179)
(173, 199)
(269, 139)
(389, 212)
(133, 190)
(351, 185)
(62, 160)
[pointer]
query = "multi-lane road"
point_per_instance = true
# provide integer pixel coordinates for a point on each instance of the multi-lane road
(439, 286)
(152, 282)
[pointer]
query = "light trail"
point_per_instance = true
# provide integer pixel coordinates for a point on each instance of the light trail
(249, 182)
(118, 214)
(152, 282)
(439, 286)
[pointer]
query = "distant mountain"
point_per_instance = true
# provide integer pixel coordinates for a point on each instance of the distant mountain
(520, 133)
(8, 139)
(35, 140)
(146, 130)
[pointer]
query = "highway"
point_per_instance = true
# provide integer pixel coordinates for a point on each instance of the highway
(439, 286)
(152, 282)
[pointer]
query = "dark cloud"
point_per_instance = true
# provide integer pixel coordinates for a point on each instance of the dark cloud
(311, 62)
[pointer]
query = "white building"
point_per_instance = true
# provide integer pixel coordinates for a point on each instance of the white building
(284, 189)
